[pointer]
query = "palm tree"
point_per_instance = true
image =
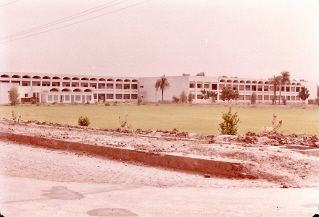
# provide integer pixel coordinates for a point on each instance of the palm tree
(275, 81)
(162, 84)
(284, 79)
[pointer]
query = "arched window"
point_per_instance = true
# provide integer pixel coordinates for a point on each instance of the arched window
(46, 77)
(54, 90)
(26, 76)
(235, 81)
(110, 79)
(119, 80)
(134, 80)
(5, 76)
(15, 76)
(87, 90)
(127, 80)
(84, 79)
(75, 78)
(76, 90)
(56, 78)
(66, 78)
(65, 90)
(254, 82)
(101, 79)
(93, 79)
(260, 82)
(222, 80)
(229, 81)
(242, 81)
(36, 77)
(248, 82)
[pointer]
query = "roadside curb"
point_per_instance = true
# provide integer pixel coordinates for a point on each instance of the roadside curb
(211, 167)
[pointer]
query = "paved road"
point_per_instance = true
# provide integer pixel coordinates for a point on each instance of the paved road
(37, 182)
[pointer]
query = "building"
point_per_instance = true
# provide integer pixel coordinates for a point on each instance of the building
(49, 88)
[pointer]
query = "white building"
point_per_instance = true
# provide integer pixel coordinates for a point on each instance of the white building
(50, 88)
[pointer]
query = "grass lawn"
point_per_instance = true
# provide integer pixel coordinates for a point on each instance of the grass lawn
(202, 119)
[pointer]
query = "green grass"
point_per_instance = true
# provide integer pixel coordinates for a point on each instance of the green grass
(202, 119)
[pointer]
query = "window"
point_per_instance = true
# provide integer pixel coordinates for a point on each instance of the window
(254, 88)
(297, 90)
(266, 88)
(260, 88)
(118, 96)
(214, 86)
(26, 95)
(109, 96)
(287, 89)
(49, 97)
(127, 86)
(118, 86)
(247, 87)
(67, 97)
(88, 98)
(199, 85)
(266, 97)
(134, 96)
(56, 98)
(109, 86)
(77, 97)
(126, 96)
(134, 86)
(241, 87)
(191, 85)
(206, 86)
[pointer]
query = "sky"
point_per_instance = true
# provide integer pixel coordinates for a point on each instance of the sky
(244, 38)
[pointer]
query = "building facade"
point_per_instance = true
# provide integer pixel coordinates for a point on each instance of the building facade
(50, 88)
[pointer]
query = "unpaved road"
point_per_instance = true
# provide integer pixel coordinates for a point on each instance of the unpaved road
(39, 182)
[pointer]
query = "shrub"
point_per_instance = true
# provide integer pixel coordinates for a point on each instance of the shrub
(190, 98)
(183, 97)
(229, 124)
(253, 99)
(115, 103)
(139, 100)
(107, 104)
(276, 125)
(15, 117)
(284, 101)
(14, 96)
(175, 99)
(83, 121)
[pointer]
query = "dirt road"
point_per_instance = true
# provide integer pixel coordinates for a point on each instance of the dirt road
(39, 182)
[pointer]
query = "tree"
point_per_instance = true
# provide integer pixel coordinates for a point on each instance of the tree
(209, 94)
(303, 93)
(253, 99)
(13, 96)
(162, 84)
(190, 98)
(229, 124)
(275, 81)
(228, 93)
(284, 79)
(183, 97)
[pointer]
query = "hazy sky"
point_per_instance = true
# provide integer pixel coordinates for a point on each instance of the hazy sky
(249, 38)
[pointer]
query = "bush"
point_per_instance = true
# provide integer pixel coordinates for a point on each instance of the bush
(175, 99)
(107, 104)
(14, 96)
(253, 99)
(229, 124)
(284, 101)
(183, 97)
(139, 100)
(190, 98)
(83, 121)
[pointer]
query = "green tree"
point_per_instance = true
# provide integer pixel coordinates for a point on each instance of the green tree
(200, 74)
(275, 81)
(209, 94)
(229, 124)
(162, 84)
(284, 79)
(253, 99)
(14, 96)
(190, 98)
(303, 93)
(183, 97)
(228, 94)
